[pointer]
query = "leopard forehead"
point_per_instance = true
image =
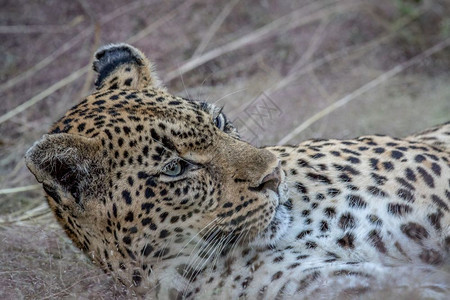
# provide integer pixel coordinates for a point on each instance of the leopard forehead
(175, 123)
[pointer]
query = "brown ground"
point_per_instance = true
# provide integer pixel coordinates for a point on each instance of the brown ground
(272, 64)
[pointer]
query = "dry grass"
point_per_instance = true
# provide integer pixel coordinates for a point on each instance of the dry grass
(323, 68)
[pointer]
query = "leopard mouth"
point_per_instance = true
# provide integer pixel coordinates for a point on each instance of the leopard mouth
(280, 222)
(270, 232)
(279, 195)
(279, 215)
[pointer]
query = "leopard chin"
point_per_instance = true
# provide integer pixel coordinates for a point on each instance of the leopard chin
(276, 229)
(281, 220)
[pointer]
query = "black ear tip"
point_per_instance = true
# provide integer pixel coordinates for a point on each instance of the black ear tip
(99, 54)
(116, 54)
(109, 57)
(125, 49)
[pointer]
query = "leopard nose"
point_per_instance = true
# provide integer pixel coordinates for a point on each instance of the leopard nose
(270, 181)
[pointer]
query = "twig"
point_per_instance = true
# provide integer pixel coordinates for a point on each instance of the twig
(87, 10)
(89, 78)
(45, 93)
(240, 65)
(365, 88)
(63, 293)
(68, 45)
(292, 76)
(214, 27)
(26, 29)
(80, 72)
(46, 61)
(313, 45)
(292, 20)
(34, 213)
(19, 189)
(354, 50)
(150, 28)
(93, 20)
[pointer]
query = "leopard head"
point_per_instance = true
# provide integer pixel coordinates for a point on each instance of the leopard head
(134, 174)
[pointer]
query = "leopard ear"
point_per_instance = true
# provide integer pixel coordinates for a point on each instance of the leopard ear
(65, 161)
(121, 66)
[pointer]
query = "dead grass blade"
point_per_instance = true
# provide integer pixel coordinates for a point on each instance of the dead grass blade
(313, 45)
(19, 189)
(26, 214)
(69, 44)
(365, 88)
(357, 50)
(90, 75)
(301, 69)
(214, 27)
(150, 28)
(46, 61)
(294, 19)
(45, 93)
(27, 29)
(80, 72)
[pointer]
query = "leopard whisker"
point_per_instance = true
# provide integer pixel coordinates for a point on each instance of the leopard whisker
(196, 269)
(196, 235)
(206, 247)
(203, 244)
(223, 246)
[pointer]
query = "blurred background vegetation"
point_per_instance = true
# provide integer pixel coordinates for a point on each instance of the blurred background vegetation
(283, 70)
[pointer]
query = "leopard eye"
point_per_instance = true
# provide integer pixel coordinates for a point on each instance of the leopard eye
(219, 121)
(174, 168)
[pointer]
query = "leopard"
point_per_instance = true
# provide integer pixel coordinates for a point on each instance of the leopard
(162, 193)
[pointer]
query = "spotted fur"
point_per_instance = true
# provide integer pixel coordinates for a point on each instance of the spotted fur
(161, 192)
